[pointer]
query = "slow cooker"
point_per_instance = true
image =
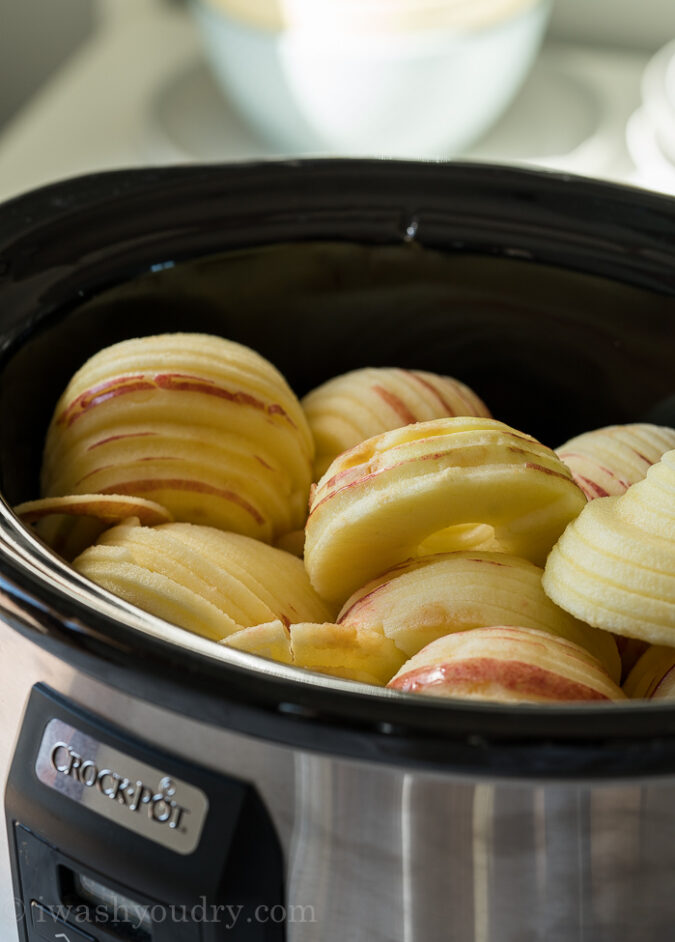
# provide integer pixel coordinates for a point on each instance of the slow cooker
(160, 787)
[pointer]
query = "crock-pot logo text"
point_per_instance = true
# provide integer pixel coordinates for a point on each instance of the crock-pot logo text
(158, 803)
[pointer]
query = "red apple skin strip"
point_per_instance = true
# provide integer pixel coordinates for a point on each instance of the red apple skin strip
(434, 596)
(238, 452)
(519, 677)
(354, 406)
(72, 523)
(379, 503)
(109, 508)
(607, 461)
(197, 487)
(177, 382)
(506, 663)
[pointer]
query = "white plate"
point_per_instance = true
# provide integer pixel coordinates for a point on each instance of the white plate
(570, 115)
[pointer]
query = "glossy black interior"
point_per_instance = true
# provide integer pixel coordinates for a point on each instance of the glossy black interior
(553, 297)
(552, 352)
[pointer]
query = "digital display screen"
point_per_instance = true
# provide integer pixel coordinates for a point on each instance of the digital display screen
(126, 917)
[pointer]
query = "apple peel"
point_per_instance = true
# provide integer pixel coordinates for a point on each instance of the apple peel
(607, 461)
(424, 599)
(71, 523)
(506, 664)
(205, 426)
(354, 406)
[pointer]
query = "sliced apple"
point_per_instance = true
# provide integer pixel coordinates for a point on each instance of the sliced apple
(653, 675)
(614, 566)
(174, 568)
(355, 406)
(339, 650)
(70, 524)
(271, 640)
(202, 425)
(506, 664)
(606, 461)
(345, 650)
(380, 502)
(431, 597)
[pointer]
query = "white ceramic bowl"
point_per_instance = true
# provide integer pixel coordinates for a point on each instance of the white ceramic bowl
(398, 93)
(658, 97)
(654, 170)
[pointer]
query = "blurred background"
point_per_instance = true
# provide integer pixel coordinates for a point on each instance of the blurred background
(585, 86)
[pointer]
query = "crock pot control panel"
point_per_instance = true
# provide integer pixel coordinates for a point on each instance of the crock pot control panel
(114, 841)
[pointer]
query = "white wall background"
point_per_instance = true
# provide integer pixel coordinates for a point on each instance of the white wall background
(645, 24)
(35, 37)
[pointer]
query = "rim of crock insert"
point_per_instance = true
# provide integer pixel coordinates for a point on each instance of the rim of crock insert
(627, 236)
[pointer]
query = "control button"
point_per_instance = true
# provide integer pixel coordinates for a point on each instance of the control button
(52, 929)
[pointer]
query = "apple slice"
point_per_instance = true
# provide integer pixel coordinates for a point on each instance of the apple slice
(653, 675)
(353, 653)
(506, 664)
(201, 578)
(606, 461)
(431, 597)
(357, 405)
(381, 502)
(271, 640)
(70, 524)
(114, 569)
(202, 425)
(345, 651)
(614, 566)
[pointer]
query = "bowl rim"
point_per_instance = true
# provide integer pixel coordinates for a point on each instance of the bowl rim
(378, 26)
